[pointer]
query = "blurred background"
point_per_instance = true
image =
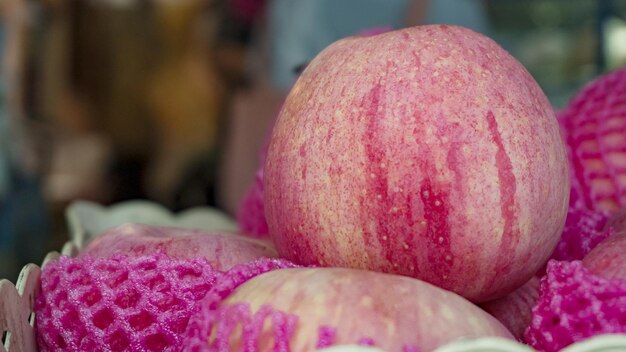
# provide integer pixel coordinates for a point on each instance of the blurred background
(172, 100)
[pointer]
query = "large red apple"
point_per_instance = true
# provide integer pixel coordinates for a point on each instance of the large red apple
(335, 306)
(428, 152)
(222, 250)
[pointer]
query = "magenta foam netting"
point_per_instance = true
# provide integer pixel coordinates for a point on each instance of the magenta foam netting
(594, 127)
(251, 213)
(213, 329)
(573, 305)
(119, 303)
(206, 314)
(583, 231)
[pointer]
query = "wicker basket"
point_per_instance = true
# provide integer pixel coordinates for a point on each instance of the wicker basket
(87, 220)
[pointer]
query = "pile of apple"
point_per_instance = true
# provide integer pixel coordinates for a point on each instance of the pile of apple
(420, 179)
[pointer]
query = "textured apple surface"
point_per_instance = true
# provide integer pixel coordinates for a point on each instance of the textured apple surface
(428, 152)
(391, 312)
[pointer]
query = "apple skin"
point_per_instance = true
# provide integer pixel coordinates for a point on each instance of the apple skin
(428, 152)
(393, 311)
(617, 221)
(223, 250)
(514, 310)
(608, 259)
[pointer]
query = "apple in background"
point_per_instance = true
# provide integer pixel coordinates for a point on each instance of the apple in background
(514, 310)
(223, 250)
(617, 221)
(390, 312)
(428, 152)
(608, 259)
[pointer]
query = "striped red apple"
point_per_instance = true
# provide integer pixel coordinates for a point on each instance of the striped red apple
(428, 152)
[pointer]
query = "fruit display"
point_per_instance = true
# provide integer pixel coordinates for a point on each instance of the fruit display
(428, 152)
(415, 192)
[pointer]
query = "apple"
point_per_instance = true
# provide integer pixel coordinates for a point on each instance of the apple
(514, 310)
(386, 311)
(617, 221)
(223, 250)
(428, 152)
(608, 259)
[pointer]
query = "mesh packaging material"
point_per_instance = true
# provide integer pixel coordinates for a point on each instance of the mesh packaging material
(119, 304)
(214, 329)
(594, 127)
(130, 304)
(573, 305)
(583, 231)
(206, 314)
(251, 212)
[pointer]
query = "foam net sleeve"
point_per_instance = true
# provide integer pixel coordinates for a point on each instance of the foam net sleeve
(119, 304)
(594, 127)
(573, 305)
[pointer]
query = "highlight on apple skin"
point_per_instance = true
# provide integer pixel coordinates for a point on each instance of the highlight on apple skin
(428, 152)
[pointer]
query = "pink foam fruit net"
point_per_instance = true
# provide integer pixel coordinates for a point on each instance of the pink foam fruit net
(593, 125)
(575, 304)
(128, 304)
(583, 231)
(119, 303)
